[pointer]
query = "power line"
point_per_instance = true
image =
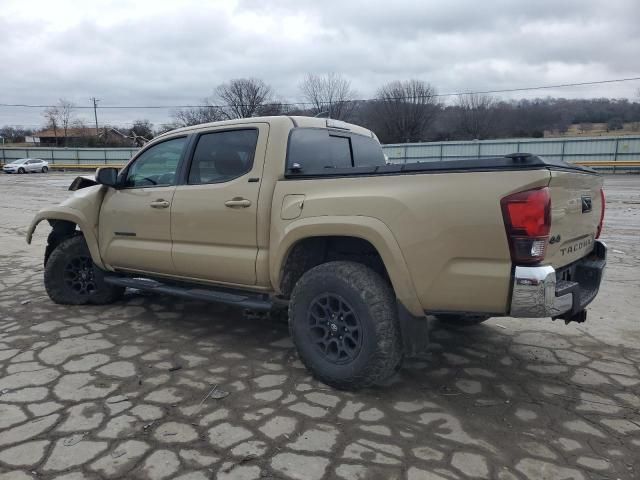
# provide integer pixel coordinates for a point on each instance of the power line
(543, 87)
(291, 104)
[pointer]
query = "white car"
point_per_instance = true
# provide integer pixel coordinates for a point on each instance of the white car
(26, 165)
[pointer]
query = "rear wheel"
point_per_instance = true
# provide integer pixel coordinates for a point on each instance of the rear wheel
(21, 170)
(343, 320)
(71, 277)
(462, 320)
(45, 169)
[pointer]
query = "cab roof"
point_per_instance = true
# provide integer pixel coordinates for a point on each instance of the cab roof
(293, 121)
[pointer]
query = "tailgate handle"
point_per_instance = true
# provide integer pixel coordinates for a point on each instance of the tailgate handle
(238, 202)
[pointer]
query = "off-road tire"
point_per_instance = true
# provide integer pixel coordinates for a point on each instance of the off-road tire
(21, 170)
(461, 320)
(372, 302)
(45, 169)
(60, 288)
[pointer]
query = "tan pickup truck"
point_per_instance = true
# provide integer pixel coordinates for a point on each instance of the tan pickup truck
(305, 213)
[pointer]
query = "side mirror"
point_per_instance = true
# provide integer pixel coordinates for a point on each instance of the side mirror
(107, 176)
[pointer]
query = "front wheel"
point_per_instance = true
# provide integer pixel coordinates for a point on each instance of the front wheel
(21, 170)
(343, 320)
(45, 169)
(71, 277)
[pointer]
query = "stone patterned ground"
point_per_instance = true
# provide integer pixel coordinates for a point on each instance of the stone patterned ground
(159, 388)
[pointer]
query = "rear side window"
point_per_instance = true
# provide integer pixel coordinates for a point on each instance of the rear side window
(223, 156)
(318, 151)
(366, 152)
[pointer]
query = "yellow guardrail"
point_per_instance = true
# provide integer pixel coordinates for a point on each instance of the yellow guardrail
(629, 163)
(73, 166)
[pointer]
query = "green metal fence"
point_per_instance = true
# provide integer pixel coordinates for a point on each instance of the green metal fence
(601, 151)
(69, 156)
(605, 153)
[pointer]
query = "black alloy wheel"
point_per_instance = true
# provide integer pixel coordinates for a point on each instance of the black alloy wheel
(334, 328)
(79, 275)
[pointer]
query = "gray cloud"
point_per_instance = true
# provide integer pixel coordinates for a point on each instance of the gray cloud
(176, 52)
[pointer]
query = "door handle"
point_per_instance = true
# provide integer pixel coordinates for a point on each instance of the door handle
(160, 203)
(238, 202)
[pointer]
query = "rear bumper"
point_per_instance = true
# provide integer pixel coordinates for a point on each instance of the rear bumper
(544, 292)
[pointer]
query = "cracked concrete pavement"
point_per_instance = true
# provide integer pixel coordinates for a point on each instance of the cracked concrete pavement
(159, 387)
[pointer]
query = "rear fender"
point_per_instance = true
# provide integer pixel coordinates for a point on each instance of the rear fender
(366, 228)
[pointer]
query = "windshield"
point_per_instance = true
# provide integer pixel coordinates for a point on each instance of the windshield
(20, 160)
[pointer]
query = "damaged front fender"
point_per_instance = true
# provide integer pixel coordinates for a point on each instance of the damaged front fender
(82, 208)
(73, 216)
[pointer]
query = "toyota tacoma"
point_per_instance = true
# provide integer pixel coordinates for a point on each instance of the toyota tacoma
(305, 216)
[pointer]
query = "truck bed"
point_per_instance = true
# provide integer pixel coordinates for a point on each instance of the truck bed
(447, 219)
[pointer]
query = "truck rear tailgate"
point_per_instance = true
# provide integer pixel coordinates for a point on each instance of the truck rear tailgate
(576, 205)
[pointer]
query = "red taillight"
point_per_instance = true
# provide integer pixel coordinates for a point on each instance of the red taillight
(601, 222)
(527, 220)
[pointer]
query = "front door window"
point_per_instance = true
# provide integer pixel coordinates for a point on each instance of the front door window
(156, 166)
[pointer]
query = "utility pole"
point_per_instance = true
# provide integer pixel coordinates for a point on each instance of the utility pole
(95, 112)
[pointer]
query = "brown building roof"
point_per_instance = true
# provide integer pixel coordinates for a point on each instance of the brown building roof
(71, 132)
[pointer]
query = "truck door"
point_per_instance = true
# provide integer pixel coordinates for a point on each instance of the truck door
(213, 214)
(135, 218)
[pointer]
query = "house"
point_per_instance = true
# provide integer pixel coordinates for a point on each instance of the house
(51, 137)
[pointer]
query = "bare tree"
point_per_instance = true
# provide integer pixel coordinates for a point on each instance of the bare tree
(65, 112)
(238, 98)
(165, 127)
(404, 110)
(274, 107)
(196, 115)
(476, 115)
(142, 129)
(244, 97)
(138, 135)
(330, 93)
(11, 134)
(130, 134)
(60, 116)
(51, 115)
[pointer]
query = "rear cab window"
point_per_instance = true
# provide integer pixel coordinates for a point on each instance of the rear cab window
(321, 151)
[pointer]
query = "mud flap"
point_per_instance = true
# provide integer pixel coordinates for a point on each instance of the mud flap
(415, 333)
(579, 317)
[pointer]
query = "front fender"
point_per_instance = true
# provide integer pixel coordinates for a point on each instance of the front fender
(367, 228)
(70, 215)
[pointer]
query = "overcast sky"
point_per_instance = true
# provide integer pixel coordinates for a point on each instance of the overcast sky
(154, 52)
